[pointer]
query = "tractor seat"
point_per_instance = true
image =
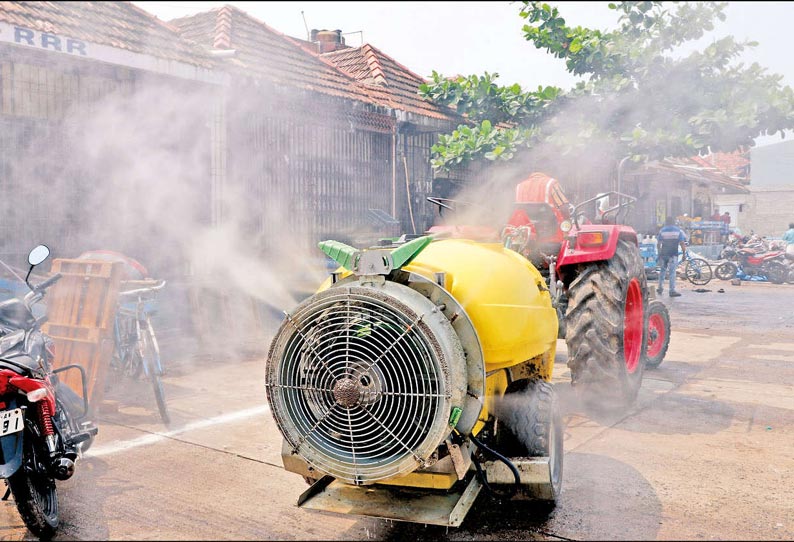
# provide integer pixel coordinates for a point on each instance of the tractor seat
(543, 218)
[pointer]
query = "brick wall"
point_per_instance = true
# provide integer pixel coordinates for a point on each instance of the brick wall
(764, 211)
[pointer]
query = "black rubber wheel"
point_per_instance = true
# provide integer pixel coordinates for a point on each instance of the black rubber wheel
(790, 276)
(531, 426)
(698, 271)
(657, 334)
(605, 326)
(35, 494)
(726, 271)
(777, 272)
(149, 360)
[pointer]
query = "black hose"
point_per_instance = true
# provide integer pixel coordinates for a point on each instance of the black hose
(482, 476)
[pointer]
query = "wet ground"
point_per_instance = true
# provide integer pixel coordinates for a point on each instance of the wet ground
(706, 453)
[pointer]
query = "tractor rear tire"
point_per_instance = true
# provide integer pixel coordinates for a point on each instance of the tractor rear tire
(605, 331)
(531, 426)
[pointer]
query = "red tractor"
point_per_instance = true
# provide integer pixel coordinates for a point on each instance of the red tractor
(597, 281)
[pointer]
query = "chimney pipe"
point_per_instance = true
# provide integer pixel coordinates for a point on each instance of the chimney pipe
(328, 40)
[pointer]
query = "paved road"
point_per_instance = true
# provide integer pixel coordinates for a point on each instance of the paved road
(707, 452)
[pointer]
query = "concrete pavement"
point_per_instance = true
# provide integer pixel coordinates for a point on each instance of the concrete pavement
(706, 453)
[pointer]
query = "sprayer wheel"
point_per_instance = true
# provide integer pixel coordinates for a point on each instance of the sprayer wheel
(531, 426)
(605, 331)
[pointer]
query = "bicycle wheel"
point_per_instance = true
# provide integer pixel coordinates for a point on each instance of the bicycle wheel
(698, 271)
(126, 349)
(151, 365)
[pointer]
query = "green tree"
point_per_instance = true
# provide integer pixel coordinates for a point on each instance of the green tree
(640, 95)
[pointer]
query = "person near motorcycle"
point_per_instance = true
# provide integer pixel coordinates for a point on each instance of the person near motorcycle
(788, 237)
(669, 239)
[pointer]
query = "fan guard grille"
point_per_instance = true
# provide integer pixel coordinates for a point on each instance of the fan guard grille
(358, 385)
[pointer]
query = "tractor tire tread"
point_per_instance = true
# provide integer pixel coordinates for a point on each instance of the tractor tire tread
(594, 323)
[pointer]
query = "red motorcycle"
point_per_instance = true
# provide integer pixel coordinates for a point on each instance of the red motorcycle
(772, 265)
(43, 423)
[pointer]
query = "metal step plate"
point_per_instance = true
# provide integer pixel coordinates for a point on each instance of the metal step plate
(432, 507)
(534, 473)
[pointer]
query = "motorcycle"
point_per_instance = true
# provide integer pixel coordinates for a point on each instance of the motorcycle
(753, 261)
(43, 424)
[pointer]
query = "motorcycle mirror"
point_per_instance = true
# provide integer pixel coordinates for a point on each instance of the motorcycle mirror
(38, 255)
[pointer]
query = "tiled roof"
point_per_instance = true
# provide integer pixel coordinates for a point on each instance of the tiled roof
(734, 164)
(693, 167)
(363, 73)
(372, 67)
(116, 24)
(265, 52)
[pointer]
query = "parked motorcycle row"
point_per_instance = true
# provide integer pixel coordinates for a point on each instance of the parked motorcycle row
(43, 424)
(755, 257)
(748, 258)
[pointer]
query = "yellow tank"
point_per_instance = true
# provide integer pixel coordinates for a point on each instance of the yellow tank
(503, 294)
(507, 301)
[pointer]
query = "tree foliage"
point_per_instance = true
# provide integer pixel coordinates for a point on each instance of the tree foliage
(639, 91)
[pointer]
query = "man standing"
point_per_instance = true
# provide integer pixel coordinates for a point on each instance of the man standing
(788, 237)
(669, 239)
(726, 218)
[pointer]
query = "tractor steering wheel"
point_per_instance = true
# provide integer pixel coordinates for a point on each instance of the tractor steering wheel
(441, 202)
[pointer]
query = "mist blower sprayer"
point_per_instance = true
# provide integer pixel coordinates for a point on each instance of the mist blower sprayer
(384, 384)
(419, 374)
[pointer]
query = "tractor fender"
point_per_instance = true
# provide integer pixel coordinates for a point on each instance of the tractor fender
(574, 251)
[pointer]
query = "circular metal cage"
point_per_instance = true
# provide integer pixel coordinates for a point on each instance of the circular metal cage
(361, 382)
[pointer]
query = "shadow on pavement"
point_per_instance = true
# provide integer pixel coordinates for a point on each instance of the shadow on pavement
(599, 493)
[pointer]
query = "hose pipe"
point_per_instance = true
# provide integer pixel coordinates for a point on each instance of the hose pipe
(484, 478)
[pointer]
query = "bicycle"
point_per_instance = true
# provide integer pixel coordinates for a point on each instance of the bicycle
(696, 270)
(136, 349)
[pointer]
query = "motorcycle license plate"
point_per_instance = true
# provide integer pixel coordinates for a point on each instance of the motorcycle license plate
(11, 421)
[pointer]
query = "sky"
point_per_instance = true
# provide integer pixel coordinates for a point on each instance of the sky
(472, 37)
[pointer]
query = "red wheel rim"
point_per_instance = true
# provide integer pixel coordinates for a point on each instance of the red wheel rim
(657, 334)
(632, 326)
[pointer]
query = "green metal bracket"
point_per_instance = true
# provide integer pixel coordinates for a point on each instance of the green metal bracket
(341, 253)
(348, 257)
(407, 252)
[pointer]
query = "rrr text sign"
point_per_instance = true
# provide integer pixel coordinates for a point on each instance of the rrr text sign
(42, 40)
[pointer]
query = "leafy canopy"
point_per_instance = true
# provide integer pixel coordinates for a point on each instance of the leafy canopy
(640, 92)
